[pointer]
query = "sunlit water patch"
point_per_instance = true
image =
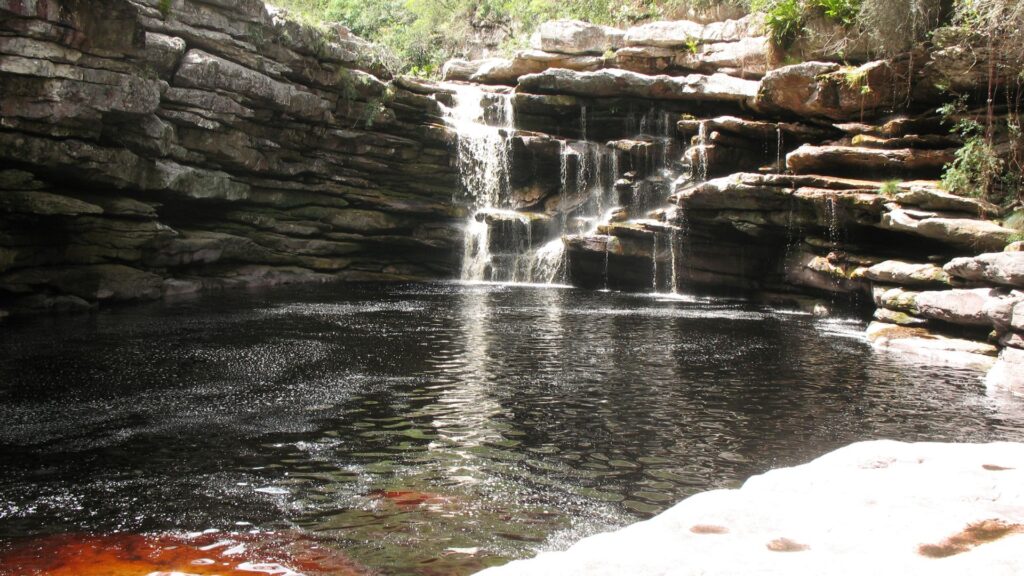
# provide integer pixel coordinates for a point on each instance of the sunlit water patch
(433, 428)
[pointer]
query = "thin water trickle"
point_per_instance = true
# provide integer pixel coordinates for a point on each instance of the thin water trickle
(833, 222)
(583, 122)
(780, 166)
(702, 151)
(673, 242)
(607, 251)
(654, 262)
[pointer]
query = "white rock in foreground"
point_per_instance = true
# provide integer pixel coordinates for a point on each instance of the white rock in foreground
(879, 507)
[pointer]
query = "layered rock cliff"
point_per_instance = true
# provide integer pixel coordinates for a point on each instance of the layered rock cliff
(692, 159)
(150, 148)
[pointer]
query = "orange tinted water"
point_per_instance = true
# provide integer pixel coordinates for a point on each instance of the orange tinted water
(208, 554)
(410, 498)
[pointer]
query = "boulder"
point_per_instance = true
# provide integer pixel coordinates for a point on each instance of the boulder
(999, 308)
(906, 273)
(684, 33)
(1017, 318)
(933, 347)
(746, 58)
(665, 34)
(508, 71)
(828, 90)
(461, 70)
(895, 298)
(163, 53)
(1008, 372)
(830, 273)
(575, 37)
(209, 72)
(899, 318)
(927, 196)
(976, 235)
(759, 131)
(851, 159)
(91, 283)
(968, 307)
(1005, 268)
(645, 59)
(44, 204)
(621, 83)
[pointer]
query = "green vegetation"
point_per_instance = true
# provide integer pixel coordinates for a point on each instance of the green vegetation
(165, 8)
(1015, 221)
(890, 188)
(784, 19)
(840, 11)
(422, 34)
(982, 168)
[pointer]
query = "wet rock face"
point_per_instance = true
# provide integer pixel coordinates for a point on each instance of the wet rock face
(220, 144)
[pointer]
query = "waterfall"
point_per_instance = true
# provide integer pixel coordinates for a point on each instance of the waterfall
(484, 158)
(504, 245)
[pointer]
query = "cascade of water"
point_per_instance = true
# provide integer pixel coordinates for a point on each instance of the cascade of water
(476, 258)
(484, 158)
(673, 240)
(522, 263)
(680, 238)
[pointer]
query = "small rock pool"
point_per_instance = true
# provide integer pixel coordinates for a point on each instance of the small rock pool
(427, 428)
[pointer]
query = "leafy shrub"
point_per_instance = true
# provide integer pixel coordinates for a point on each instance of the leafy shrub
(977, 171)
(840, 11)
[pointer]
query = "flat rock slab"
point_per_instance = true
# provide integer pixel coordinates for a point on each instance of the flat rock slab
(621, 83)
(879, 507)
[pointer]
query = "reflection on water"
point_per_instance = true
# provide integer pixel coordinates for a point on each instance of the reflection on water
(436, 429)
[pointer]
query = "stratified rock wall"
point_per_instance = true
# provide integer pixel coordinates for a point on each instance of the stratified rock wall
(151, 148)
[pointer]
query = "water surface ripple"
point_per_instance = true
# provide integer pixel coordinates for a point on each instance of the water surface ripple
(438, 429)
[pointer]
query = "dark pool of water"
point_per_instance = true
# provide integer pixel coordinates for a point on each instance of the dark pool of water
(437, 429)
